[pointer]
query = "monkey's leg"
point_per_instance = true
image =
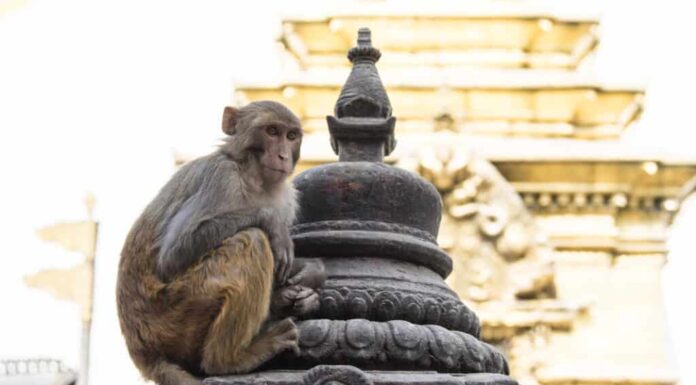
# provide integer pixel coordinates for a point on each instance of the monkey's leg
(242, 270)
(166, 373)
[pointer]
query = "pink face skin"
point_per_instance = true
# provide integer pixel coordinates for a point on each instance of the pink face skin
(281, 151)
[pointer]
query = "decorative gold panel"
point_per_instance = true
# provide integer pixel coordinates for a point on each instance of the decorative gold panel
(576, 110)
(448, 39)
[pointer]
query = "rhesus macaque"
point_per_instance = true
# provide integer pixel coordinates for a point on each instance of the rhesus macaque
(198, 270)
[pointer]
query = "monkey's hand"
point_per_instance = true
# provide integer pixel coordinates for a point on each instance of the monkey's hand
(295, 300)
(281, 244)
(308, 272)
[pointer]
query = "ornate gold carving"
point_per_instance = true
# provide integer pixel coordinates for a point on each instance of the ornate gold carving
(531, 109)
(445, 36)
(498, 251)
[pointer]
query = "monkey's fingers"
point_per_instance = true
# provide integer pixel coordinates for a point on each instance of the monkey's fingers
(284, 297)
(284, 329)
(294, 280)
(286, 335)
(279, 273)
(296, 349)
(303, 292)
(311, 275)
(284, 265)
(299, 277)
(291, 261)
(306, 305)
(278, 268)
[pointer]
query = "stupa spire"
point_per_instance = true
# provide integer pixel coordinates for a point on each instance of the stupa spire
(363, 127)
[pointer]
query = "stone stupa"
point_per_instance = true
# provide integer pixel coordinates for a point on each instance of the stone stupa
(387, 315)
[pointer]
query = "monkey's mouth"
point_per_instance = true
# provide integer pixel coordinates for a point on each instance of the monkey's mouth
(281, 171)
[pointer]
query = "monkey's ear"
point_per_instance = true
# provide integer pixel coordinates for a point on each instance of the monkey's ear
(229, 120)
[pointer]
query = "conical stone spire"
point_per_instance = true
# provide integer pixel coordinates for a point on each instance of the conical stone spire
(363, 128)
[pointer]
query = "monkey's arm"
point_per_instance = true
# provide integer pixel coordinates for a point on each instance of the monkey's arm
(189, 237)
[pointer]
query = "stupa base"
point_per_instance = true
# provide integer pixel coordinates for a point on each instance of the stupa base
(350, 375)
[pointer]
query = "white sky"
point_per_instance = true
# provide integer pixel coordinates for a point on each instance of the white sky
(94, 95)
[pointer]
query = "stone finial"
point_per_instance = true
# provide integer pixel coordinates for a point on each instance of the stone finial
(362, 128)
(364, 50)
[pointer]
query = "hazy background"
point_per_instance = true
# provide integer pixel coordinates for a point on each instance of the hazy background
(96, 95)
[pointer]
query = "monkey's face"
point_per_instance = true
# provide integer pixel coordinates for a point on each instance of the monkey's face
(267, 131)
(278, 149)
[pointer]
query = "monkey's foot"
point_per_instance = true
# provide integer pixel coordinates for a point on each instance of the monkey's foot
(296, 300)
(284, 335)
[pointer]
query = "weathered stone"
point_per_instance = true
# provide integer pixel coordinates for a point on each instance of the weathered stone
(340, 375)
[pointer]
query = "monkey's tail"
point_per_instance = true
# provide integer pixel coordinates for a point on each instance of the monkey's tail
(167, 373)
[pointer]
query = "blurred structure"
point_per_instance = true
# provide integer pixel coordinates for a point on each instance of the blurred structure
(36, 372)
(556, 227)
(73, 284)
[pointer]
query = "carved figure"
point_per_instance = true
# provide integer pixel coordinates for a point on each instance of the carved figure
(500, 253)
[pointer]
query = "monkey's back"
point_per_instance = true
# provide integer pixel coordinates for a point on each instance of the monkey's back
(155, 319)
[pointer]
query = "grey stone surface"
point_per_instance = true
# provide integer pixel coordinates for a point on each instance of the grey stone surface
(394, 345)
(301, 377)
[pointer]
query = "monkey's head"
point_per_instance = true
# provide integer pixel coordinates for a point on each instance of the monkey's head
(264, 135)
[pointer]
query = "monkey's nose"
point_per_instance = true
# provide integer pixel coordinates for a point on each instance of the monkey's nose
(283, 156)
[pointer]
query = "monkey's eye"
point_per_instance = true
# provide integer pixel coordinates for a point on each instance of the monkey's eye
(272, 130)
(292, 135)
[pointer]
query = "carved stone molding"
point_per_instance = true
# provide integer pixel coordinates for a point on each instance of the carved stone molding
(354, 243)
(548, 200)
(299, 377)
(394, 345)
(338, 225)
(336, 375)
(397, 206)
(382, 305)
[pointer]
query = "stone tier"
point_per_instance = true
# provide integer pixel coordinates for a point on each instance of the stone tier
(350, 375)
(380, 289)
(393, 345)
(356, 209)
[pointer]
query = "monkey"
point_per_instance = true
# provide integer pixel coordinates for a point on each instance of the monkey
(207, 280)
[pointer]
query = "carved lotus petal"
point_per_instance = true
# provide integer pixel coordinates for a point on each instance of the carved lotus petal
(406, 335)
(358, 304)
(314, 333)
(432, 311)
(444, 346)
(413, 310)
(332, 303)
(360, 333)
(386, 306)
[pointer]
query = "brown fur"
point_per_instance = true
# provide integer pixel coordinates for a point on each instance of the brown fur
(185, 313)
